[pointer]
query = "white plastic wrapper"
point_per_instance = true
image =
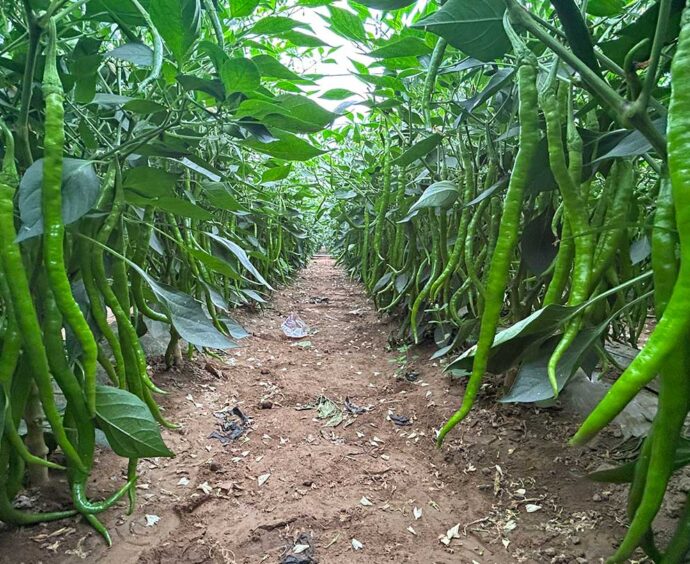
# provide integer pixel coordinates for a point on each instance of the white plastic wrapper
(294, 327)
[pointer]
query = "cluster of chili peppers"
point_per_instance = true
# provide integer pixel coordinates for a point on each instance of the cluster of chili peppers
(452, 268)
(54, 337)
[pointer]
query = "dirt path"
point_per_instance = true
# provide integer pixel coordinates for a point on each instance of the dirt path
(505, 478)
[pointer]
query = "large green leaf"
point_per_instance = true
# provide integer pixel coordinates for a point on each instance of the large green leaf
(303, 39)
(127, 423)
(240, 75)
(269, 66)
(138, 54)
(441, 195)
(276, 173)
(242, 8)
(473, 26)
(275, 25)
(172, 204)
(337, 94)
(386, 4)
(605, 8)
(419, 150)
(405, 47)
(532, 381)
(150, 182)
(293, 113)
(80, 190)
(178, 23)
(539, 325)
(346, 24)
(285, 146)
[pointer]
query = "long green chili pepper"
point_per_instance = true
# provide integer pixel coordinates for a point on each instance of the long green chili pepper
(664, 242)
(675, 321)
(54, 229)
(157, 46)
(98, 312)
(430, 80)
(507, 235)
(578, 221)
(435, 265)
(562, 267)
(674, 389)
(609, 242)
(22, 303)
(380, 224)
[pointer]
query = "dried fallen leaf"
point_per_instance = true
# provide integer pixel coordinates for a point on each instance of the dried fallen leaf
(262, 479)
(299, 548)
(452, 533)
(365, 501)
(531, 507)
(356, 545)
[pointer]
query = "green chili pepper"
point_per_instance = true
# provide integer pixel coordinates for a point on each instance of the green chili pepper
(54, 229)
(507, 236)
(22, 303)
(675, 321)
(674, 390)
(577, 218)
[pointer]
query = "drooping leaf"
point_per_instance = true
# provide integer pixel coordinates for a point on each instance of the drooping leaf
(441, 195)
(542, 323)
(473, 26)
(127, 423)
(80, 190)
(269, 66)
(537, 244)
(138, 54)
(286, 146)
(149, 181)
(532, 381)
(633, 143)
(241, 255)
(419, 150)
(405, 47)
(212, 87)
(337, 94)
(346, 24)
(274, 25)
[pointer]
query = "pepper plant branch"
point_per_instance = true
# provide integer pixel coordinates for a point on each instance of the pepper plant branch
(628, 112)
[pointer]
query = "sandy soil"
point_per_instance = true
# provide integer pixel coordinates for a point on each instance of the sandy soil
(293, 489)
